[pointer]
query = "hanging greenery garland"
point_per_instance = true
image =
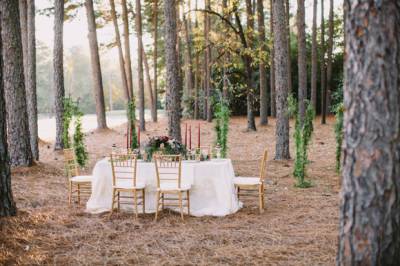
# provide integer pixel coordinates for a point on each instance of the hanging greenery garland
(221, 125)
(131, 113)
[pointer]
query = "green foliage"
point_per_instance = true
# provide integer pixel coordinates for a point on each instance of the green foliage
(131, 113)
(339, 133)
(79, 141)
(302, 136)
(222, 113)
(70, 109)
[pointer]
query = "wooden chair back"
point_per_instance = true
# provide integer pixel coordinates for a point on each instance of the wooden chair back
(263, 165)
(70, 163)
(123, 168)
(168, 169)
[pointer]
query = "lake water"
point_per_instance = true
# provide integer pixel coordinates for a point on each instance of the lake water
(47, 124)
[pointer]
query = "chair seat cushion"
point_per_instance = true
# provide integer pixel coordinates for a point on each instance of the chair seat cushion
(173, 186)
(82, 178)
(246, 181)
(128, 184)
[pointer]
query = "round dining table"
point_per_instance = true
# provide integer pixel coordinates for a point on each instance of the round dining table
(212, 191)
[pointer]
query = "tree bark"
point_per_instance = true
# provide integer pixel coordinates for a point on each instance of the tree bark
(120, 53)
(314, 57)
(329, 59)
(138, 22)
(272, 68)
(197, 84)
(98, 91)
(7, 204)
(188, 59)
(287, 15)
(263, 74)
(323, 67)
(282, 118)
(370, 197)
(207, 59)
(14, 86)
(173, 81)
(155, 54)
(58, 73)
(227, 58)
(148, 78)
(301, 59)
(127, 46)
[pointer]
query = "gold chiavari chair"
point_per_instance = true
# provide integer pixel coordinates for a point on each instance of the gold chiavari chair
(253, 186)
(169, 182)
(77, 184)
(124, 180)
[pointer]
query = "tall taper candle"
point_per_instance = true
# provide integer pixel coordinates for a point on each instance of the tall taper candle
(185, 134)
(138, 139)
(127, 136)
(190, 137)
(198, 138)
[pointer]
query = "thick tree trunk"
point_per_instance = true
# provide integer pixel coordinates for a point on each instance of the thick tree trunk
(7, 204)
(370, 198)
(263, 74)
(173, 81)
(301, 59)
(120, 53)
(23, 20)
(14, 86)
(314, 58)
(127, 46)
(98, 91)
(138, 23)
(287, 16)
(272, 68)
(282, 118)
(329, 59)
(323, 67)
(58, 73)
(155, 54)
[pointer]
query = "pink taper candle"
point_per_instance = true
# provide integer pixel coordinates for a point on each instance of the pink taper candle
(186, 134)
(138, 139)
(198, 138)
(190, 137)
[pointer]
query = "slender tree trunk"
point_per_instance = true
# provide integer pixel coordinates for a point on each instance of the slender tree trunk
(14, 86)
(272, 68)
(7, 204)
(96, 68)
(120, 53)
(127, 46)
(314, 57)
(173, 81)
(138, 22)
(23, 20)
(323, 67)
(148, 78)
(209, 113)
(226, 55)
(251, 124)
(155, 54)
(188, 59)
(197, 84)
(263, 74)
(282, 118)
(370, 197)
(287, 15)
(329, 61)
(302, 59)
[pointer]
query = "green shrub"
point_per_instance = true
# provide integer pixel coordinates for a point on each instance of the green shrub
(131, 113)
(339, 110)
(79, 141)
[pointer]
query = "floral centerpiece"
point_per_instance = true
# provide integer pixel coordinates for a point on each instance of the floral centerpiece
(165, 145)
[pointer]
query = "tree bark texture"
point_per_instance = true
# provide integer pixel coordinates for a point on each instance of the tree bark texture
(127, 46)
(14, 86)
(207, 80)
(262, 70)
(188, 59)
(58, 71)
(155, 54)
(138, 23)
(282, 118)
(7, 204)
(323, 67)
(301, 59)
(98, 91)
(272, 68)
(173, 81)
(314, 57)
(148, 78)
(287, 13)
(329, 59)
(370, 197)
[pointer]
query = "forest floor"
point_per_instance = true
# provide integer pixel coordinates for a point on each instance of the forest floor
(298, 227)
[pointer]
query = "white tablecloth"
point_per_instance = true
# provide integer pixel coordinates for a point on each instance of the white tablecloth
(212, 191)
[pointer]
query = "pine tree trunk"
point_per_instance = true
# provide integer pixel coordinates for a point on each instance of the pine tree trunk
(197, 84)
(23, 20)
(263, 74)
(14, 86)
(227, 58)
(207, 81)
(323, 67)
(272, 65)
(282, 118)
(173, 81)
(120, 53)
(188, 59)
(148, 78)
(314, 58)
(138, 23)
(155, 54)
(7, 204)
(127, 46)
(251, 124)
(287, 16)
(302, 59)
(329, 61)
(58, 73)
(96, 68)
(370, 197)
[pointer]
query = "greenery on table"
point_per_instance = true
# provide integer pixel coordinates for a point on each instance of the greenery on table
(302, 137)
(221, 126)
(164, 145)
(131, 113)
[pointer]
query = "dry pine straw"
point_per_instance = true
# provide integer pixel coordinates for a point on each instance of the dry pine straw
(299, 226)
